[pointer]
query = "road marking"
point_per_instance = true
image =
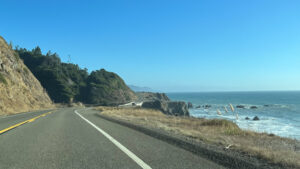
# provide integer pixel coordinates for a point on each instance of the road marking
(119, 145)
(14, 115)
(26, 121)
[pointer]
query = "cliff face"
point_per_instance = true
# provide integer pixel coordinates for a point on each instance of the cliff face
(176, 108)
(20, 91)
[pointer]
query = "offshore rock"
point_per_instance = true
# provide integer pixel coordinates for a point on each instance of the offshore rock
(190, 105)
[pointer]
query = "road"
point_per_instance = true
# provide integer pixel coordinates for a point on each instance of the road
(78, 139)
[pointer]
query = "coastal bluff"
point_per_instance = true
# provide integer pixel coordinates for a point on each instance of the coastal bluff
(176, 108)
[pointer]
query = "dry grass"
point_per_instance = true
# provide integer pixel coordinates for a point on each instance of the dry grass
(20, 91)
(215, 131)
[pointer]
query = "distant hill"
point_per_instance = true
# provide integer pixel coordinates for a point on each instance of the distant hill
(150, 96)
(67, 82)
(20, 91)
(107, 88)
(140, 89)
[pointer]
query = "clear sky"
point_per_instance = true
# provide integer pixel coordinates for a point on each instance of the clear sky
(185, 45)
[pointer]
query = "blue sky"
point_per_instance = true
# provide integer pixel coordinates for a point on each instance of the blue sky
(223, 45)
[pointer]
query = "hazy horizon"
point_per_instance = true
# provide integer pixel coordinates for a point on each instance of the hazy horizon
(169, 46)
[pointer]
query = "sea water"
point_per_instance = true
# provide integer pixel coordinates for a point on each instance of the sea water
(279, 112)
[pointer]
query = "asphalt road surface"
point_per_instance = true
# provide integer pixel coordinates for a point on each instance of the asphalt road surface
(78, 139)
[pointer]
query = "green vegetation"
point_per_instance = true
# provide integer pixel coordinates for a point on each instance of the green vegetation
(67, 82)
(2, 79)
(61, 80)
(25, 70)
(106, 87)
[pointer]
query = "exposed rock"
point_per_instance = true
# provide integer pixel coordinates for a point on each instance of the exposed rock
(255, 118)
(198, 107)
(148, 96)
(240, 106)
(190, 105)
(176, 108)
(20, 91)
(247, 118)
(207, 106)
(253, 107)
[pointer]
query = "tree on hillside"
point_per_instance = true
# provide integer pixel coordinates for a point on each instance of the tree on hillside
(63, 81)
(67, 82)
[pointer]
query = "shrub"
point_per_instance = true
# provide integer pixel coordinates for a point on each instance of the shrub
(2, 79)
(219, 122)
(25, 70)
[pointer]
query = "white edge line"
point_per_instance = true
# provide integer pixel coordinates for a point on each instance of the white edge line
(119, 145)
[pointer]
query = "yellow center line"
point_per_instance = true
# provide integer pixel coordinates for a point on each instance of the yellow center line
(26, 121)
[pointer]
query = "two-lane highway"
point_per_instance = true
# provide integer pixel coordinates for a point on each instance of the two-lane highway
(79, 139)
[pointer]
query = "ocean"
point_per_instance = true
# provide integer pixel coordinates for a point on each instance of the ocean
(279, 112)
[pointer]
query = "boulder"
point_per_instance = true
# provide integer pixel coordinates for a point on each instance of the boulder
(253, 107)
(176, 108)
(240, 106)
(247, 118)
(190, 105)
(255, 118)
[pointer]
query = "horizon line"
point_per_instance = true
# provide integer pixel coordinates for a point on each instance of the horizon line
(234, 91)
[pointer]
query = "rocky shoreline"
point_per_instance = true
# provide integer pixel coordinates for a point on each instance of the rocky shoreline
(160, 101)
(221, 155)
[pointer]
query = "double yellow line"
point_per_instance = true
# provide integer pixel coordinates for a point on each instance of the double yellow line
(27, 121)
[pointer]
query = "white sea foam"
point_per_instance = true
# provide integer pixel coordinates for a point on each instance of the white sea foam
(279, 112)
(267, 124)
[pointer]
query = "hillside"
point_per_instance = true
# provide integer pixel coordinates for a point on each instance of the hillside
(20, 91)
(63, 81)
(107, 88)
(67, 82)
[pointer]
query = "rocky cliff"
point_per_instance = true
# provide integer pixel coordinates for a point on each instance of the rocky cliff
(20, 91)
(176, 108)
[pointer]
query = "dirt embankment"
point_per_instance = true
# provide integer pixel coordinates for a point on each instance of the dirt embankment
(20, 91)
